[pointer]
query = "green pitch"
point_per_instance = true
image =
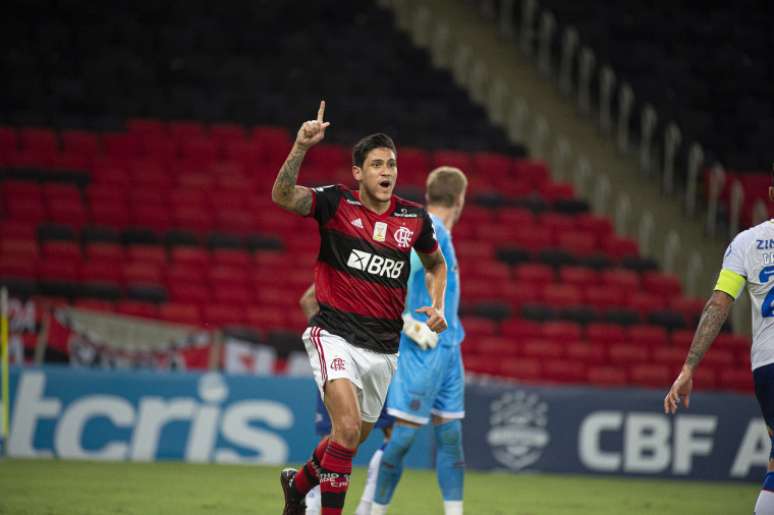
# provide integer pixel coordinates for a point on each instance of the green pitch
(86, 488)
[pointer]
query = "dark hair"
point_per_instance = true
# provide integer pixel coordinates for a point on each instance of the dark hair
(364, 146)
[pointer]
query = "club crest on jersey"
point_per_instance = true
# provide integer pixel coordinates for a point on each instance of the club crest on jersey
(403, 237)
(357, 222)
(337, 364)
(380, 231)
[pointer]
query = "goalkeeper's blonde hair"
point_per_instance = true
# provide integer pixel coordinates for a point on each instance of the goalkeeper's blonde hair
(445, 184)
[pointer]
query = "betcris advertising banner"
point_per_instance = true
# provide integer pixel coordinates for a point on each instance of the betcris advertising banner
(622, 432)
(77, 413)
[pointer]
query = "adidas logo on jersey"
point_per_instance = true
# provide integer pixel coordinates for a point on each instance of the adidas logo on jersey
(375, 264)
(357, 222)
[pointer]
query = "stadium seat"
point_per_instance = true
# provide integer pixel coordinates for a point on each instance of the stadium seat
(520, 368)
(651, 375)
(606, 376)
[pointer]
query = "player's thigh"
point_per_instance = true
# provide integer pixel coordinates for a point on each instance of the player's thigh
(376, 371)
(449, 403)
(342, 401)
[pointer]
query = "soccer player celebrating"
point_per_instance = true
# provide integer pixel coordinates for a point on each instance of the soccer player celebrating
(430, 377)
(361, 274)
(322, 426)
(747, 260)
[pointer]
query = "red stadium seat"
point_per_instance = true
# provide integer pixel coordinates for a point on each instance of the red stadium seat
(542, 348)
(12, 266)
(672, 357)
(651, 375)
(601, 227)
(562, 295)
(648, 335)
(607, 376)
(662, 284)
(604, 333)
(739, 380)
(589, 353)
(622, 278)
(645, 303)
(233, 294)
(267, 317)
(563, 371)
(138, 309)
(181, 313)
(689, 308)
(520, 368)
(618, 247)
(99, 270)
(627, 353)
(497, 346)
(190, 255)
(562, 331)
(231, 257)
(185, 273)
(533, 273)
(61, 250)
(515, 217)
(95, 305)
(454, 158)
(605, 297)
(81, 142)
(476, 327)
(579, 276)
(147, 253)
(19, 248)
(142, 272)
(224, 314)
(195, 293)
(491, 164)
(535, 172)
(520, 330)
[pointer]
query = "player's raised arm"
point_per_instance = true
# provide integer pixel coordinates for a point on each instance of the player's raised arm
(712, 319)
(286, 193)
(435, 267)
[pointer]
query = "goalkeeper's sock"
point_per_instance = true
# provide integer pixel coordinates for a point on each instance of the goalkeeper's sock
(391, 466)
(336, 466)
(364, 508)
(765, 503)
(450, 461)
(308, 476)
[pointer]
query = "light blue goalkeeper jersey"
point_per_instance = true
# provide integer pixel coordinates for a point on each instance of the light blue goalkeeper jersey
(418, 296)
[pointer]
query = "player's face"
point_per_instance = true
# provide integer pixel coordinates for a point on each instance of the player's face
(378, 174)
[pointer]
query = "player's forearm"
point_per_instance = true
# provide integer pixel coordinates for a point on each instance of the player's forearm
(437, 286)
(712, 319)
(285, 190)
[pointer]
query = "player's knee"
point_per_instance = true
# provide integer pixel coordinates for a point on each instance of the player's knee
(448, 436)
(347, 431)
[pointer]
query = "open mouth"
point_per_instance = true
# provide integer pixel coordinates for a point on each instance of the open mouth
(385, 183)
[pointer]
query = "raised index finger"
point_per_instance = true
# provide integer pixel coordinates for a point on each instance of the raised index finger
(321, 111)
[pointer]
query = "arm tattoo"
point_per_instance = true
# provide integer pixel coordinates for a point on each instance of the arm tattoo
(712, 319)
(284, 188)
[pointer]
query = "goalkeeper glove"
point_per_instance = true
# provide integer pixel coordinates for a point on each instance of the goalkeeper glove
(418, 331)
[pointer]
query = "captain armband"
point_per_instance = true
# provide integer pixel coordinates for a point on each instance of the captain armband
(730, 282)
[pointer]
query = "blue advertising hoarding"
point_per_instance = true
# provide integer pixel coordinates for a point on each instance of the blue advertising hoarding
(76, 413)
(144, 416)
(624, 432)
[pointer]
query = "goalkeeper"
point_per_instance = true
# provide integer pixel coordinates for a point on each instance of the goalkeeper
(429, 383)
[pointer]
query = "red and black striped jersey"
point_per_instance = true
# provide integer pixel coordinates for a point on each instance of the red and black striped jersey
(363, 267)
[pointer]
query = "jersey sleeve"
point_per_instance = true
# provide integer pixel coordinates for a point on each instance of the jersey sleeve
(427, 242)
(733, 274)
(325, 201)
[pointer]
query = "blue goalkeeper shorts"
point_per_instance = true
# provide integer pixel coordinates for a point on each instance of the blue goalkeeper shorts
(427, 382)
